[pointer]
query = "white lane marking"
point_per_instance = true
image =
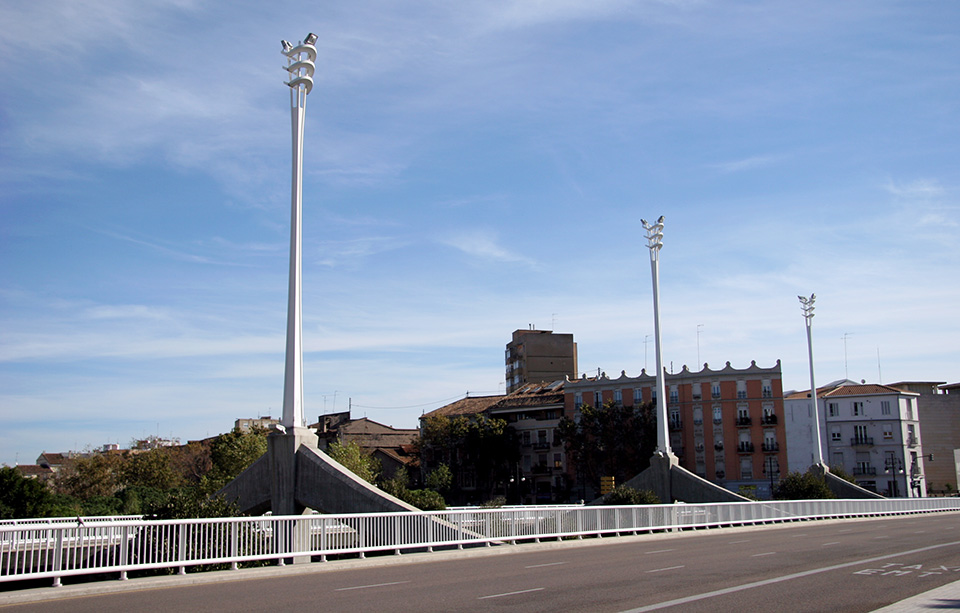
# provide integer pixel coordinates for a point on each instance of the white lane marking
(769, 553)
(363, 587)
(796, 536)
(536, 589)
(828, 544)
(658, 551)
(542, 565)
(806, 573)
(736, 542)
(846, 530)
(660, 570)
(919, 531)
(881, 537)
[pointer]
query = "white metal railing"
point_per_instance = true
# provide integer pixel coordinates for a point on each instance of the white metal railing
(67, 547)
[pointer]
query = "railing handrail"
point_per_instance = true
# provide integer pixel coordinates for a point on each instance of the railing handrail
(65, 548)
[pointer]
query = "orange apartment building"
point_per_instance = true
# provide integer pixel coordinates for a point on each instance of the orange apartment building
(725, 425)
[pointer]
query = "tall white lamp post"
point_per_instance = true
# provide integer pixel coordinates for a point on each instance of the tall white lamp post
(300, 65)
(654, 243)
(806, 305)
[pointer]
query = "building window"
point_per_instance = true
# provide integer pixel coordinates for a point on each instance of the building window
(887, 432)
(767, 389)
(717, 414)
(697, 416)
(695, 391)
(833, 409)
(674, 394)
(741, 389)
(637, 397)
(856, 408)
(746, 468)
(715, 389)
(618, 397)
(578, 400)
(884, 407)
(910, 409)
(835, 434)
(557, 461)
(597, 400)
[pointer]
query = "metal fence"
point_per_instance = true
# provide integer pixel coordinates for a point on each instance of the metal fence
(65, 547)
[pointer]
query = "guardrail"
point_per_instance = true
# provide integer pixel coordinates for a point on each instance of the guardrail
(65, 548)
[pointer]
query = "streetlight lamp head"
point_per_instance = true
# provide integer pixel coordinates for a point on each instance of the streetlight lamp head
(310, 39)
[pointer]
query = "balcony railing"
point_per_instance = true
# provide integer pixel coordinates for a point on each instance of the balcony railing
(745, 448)
(861, 471)
(676, 424)
(771, 446)
(718, 446)
(861, 441)
(541, 445)
(769, 420)
(911, 441)
(744, 421)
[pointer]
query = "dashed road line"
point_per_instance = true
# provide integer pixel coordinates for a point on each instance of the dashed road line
(658, 551)
(536, 589)
(364, 587)
(769, 553)
(832, 543)
(542, 565)
(660, 570)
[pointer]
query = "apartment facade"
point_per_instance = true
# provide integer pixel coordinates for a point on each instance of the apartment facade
(939, 407)
(539, 356)
(725, 425)
(872, 431)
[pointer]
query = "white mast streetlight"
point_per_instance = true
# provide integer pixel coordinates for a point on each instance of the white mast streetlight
(806, 305)
(300, 65)
(654, 243)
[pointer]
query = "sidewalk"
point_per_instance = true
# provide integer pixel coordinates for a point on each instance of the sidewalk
(938, 599)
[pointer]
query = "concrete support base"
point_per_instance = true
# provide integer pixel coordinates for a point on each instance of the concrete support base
(842, 488)
(672, 482)
(293, 476)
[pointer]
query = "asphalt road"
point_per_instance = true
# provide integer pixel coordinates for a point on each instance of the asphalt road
(846, 565)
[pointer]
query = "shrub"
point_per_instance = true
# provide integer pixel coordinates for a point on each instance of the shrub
(802, 486)
(623, 495)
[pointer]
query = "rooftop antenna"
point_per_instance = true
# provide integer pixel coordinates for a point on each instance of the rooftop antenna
(846, 373)
(879, 372)
(698, 345)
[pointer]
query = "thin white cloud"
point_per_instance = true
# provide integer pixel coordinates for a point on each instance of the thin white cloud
(919, 188)
(749, 163)
(484, 245)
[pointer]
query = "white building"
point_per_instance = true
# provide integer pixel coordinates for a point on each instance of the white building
(872, 431)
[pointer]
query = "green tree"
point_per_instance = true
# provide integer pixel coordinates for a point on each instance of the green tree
(623, 495)
(802, 486)
(440, 479)
(96, 475)
(839, 471)
(231, 454)
(352, 457)
(615, 441)
(21, 497)
(153, 469)
(483, 451)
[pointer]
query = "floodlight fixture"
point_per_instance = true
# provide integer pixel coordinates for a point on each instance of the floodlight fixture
(311, 39)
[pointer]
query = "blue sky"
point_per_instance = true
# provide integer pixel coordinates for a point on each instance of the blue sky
(471, 168)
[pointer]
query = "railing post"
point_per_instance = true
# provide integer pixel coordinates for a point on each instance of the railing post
(58, 557)
(124, 550)
(234, 544)
(182, 548)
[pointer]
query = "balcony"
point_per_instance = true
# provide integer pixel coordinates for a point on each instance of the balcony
(676, 424)
(697, 422)
(864, 471)
(718, 420)
(743, 421)
(912, 441)
(718, 446)
(770, 446)
(769, 420)
(767, 393)
(861, 441)
(541, 469)
(541, 445)
(745, 447)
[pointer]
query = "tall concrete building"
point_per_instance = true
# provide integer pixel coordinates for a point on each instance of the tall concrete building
(539, 356)
(725, 425)
(939, 406)
(872, 431)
